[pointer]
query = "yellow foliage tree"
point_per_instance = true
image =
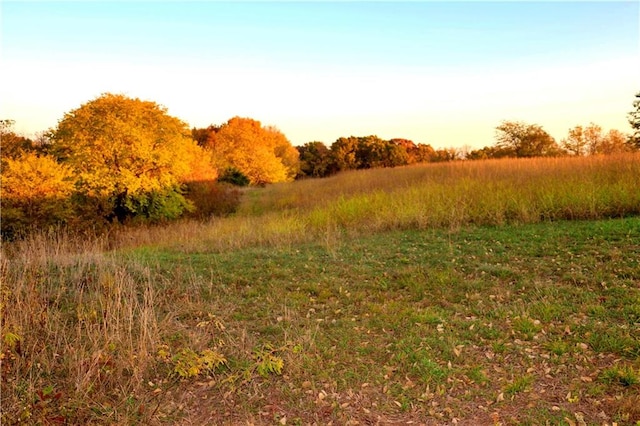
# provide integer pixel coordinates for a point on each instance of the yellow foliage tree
(35, 191)
(129, 157)
(264, 155)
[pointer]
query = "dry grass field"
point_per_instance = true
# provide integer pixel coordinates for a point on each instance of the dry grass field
(489, 292)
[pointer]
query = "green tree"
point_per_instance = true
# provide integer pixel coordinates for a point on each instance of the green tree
(486, 153)
(234, 177)
(518, 139)
(316, 160)
(444, 155)
(344, 152)
(129, 157)
(424, 153)
(373, 152)
(634, 121)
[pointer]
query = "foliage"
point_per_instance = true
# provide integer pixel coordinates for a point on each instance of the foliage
(344, 152)
(286, 152)
(263, 154)
(35, 192)
(205, 137)
(423, 153)
(443, 155)
(129, 156)
(234, 176)
(315, 160)
(13, 145)
(355, 153)
(211, 198)
(488, 152)
(590, 141)
(367, 152)
(578, 140)
(199, 162)
(519, 139)
(189, 363)
(267, 362)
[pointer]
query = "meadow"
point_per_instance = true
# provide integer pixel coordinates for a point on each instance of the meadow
(485, 292)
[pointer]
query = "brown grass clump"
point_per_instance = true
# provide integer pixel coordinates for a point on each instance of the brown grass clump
(76, 326)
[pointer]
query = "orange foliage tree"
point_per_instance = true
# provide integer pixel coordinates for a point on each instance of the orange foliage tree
(590, 140)
(263, 154)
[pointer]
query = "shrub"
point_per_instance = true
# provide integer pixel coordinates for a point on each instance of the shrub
(235, 177)
(35, 191)
(210, 198)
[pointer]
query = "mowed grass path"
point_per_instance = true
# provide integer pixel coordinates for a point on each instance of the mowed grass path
(511, 325)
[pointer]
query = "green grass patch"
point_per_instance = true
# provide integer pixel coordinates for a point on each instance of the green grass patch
(409, 324)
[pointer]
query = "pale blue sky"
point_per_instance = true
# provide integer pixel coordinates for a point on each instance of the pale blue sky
(441, 73)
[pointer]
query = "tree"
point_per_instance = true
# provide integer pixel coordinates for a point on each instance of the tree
(485, 153)
(316, 160)
(129, 157)
(35, 191)
(286, 152)
(424, 153)
(575, 143)
(13, 145)
(591, 141)
(615, 142)
(205, 137)
(445, 154)
(244, 144)
(518, 139)
(634, 121)
(583, 140)
(373, 152)
(344, 152)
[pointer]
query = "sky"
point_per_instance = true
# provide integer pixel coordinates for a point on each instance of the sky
(443, 73)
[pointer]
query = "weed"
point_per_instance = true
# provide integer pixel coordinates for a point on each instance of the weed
(557, 347)
(519, 384)
(625, 376)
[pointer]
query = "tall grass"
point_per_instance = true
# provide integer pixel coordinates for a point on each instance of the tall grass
(451, 195)
(84, 327)
(79, 330)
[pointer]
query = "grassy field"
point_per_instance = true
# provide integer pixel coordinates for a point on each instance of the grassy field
(442, 294)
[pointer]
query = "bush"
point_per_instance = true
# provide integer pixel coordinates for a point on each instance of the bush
(35, 192)
(211, 198)
(235, 177)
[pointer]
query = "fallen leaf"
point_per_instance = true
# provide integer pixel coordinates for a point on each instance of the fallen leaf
(580, 418)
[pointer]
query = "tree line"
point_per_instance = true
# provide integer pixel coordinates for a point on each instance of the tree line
(119, 159)
(514, 139)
